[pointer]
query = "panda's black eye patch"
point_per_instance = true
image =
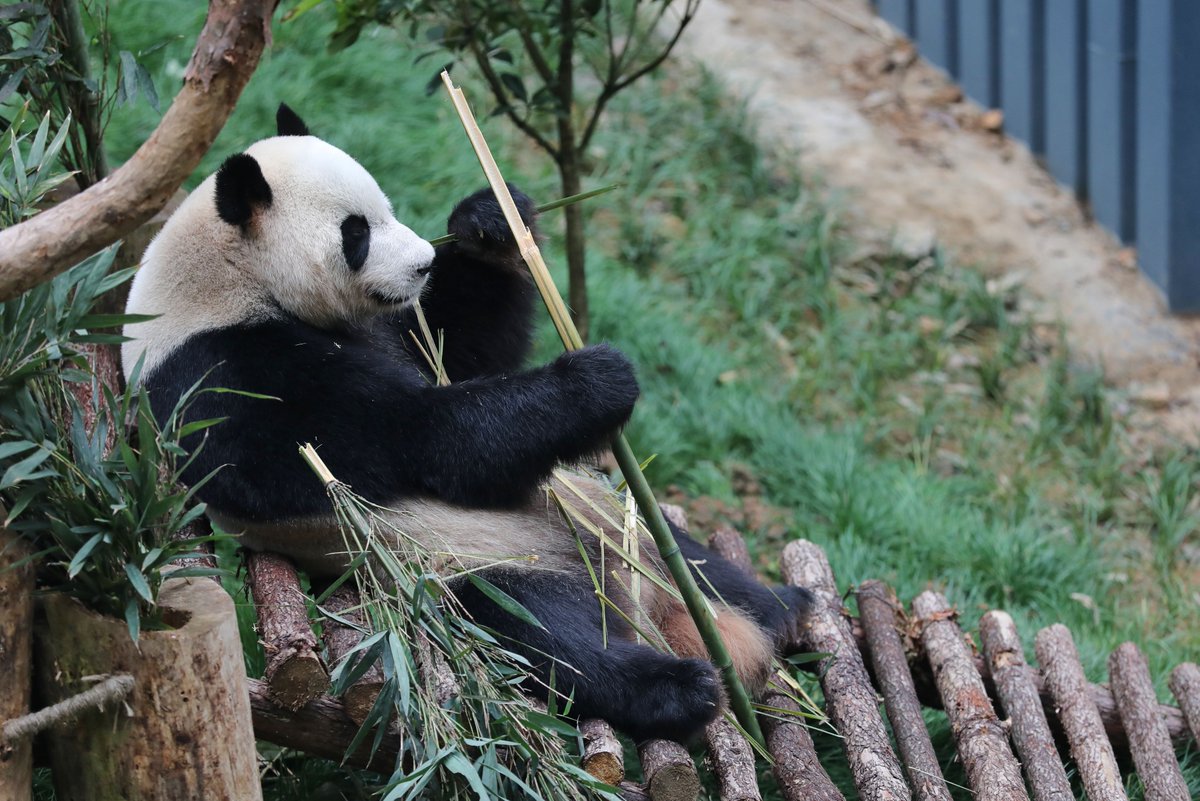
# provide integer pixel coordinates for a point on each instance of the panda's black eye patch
(356, 241)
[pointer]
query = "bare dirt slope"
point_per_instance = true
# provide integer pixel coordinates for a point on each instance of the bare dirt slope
(909, 162)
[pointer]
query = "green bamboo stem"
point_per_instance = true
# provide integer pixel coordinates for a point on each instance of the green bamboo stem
(739, 699)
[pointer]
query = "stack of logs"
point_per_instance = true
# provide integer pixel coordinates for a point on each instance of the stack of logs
(865, 658)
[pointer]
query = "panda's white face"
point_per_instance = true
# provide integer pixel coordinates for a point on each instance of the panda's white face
(326, 246)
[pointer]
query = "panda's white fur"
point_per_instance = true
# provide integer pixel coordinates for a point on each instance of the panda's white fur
(257, 291)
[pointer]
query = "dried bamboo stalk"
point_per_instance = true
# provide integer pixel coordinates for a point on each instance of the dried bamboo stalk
(797, 769)
(603, 756)
(878, 606)
(732, 760)
(728, 542)
(1129, 677)
(1185, 685)
(340, 639)
(295, 671)
(668, 771)
(1093, 754)
(849, 697)
(992, 770)
(1030, 730)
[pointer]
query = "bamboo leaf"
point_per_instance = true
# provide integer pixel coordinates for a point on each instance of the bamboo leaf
(504, 600)
(139, 583)
(82, 554)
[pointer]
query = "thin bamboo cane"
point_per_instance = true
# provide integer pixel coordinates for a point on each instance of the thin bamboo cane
(739, 700)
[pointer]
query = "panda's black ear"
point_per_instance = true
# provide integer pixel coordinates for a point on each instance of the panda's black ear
(288, 122)
(241, 189)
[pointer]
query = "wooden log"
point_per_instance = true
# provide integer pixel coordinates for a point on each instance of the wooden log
(849, 697)
(732, 760)
(1093, 754)
(668, 771)
(320, 727)
(674, 515)
(797, 769)
(878, 606)
(16, 654)
(728, 542)
(1129, 677)
(434, 670)
(185, 729)
(294, 671)
(340, 639)
(992, 770)
(1018, 694)
(603, 755)
(1185, 685)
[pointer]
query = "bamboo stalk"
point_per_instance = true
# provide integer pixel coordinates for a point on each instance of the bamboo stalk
(1030, 730)
(739, 700)
(603, 756)
(849, 697)
(797, 769)
(1185, 685)
(1129, 676)
(1094, 758)
(878, 606)
(992, 770)
(669, 771)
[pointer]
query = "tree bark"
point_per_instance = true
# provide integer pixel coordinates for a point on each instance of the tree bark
(728, 542)
(340, 640)
(185, 729)
(1030, 730)
(294, 668)
(732, 760)
(226, 53)
(992, 770)
(849, 697)
(1129, 677)
(878, 606)
(603, 755)
(1094, 758)
(797, 769)
(16, 654)
(1185, 685)
(668, 771)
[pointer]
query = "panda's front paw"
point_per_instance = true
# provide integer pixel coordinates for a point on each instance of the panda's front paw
(479, 226)
(601, 383)
(677, 699)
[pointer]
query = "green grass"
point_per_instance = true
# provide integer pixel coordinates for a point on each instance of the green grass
(906, 416)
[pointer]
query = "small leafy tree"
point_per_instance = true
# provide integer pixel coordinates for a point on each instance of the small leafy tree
(552, 69)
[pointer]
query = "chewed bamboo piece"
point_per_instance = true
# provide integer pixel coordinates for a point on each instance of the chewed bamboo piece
(698, 608)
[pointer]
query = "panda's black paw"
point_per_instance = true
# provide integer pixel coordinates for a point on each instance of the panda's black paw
(601, 384)
(675, 700)
(479, 226)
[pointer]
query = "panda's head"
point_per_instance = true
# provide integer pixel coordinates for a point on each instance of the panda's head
(315, 230)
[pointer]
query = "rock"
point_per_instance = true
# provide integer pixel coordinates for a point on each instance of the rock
(914, 240)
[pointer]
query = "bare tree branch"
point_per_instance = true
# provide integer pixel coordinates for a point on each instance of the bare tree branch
(226, 53)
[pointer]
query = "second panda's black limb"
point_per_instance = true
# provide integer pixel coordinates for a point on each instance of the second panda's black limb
(640, 691)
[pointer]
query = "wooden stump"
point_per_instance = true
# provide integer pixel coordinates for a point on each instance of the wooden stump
(797, 769)
(1129, 677)
(878, 607)
(668, 771)
(1077, 711)
(1030, 729)
(294, 671)
(16, 654)
(992, 770)
(603, 756)
(185, 729)
(849, 697)
(340, 639)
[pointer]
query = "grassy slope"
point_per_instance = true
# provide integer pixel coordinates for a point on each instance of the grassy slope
(902, 415)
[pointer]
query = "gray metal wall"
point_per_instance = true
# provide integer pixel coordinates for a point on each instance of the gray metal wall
(1107, 92)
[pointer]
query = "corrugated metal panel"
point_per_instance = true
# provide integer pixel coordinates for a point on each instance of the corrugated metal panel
(1022, 69)
(899, 13)
(1111, 75)
(1066, 92)
(978, 50)
(936, 32)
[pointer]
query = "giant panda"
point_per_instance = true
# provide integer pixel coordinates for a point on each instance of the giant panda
(286, 274)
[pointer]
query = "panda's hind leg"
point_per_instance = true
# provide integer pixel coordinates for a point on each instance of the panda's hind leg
(640, 691)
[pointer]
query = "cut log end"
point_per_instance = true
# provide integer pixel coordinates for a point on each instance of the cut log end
(669, 771)
(603, 755)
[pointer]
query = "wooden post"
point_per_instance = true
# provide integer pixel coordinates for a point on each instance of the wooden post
(878, 606)
(16, 654)
(668, 771)
(294, 668)
(992, 770)
(1149, 742)
(797, 769)
(340, 639)
(1185, 685)
(849, 697)
(184, 731)
(1093, 754)
(1030, 730)
(603, 756)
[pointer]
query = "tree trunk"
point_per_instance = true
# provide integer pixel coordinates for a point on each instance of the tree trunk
(184, 731)
(16, 645)
(576, 243)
